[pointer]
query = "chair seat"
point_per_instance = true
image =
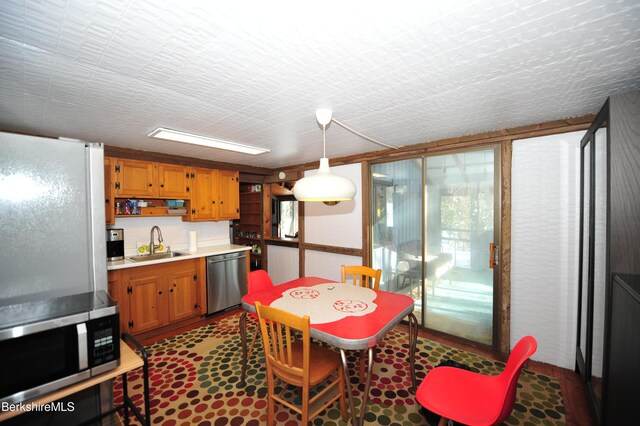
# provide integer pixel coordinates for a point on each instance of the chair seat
(460, 395)
(322, 362)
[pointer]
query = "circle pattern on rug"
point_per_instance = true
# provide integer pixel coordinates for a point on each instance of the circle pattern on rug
(195, 380)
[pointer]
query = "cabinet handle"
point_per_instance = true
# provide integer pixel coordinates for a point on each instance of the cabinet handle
(221, 202)
(160, 292)
(171, 291)
(161, 185)
(213, 202)
(150, 185)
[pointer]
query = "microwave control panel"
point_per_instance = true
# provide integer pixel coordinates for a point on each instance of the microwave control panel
(104, 342)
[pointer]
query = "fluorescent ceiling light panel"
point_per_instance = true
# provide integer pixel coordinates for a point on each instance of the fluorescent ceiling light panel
(177, 136)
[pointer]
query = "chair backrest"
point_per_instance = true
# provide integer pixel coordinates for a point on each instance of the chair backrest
(258, 280)
(362, 276)
(277, 328)
(521, 352)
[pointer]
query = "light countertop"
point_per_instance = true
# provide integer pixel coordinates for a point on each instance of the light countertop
(202, 252)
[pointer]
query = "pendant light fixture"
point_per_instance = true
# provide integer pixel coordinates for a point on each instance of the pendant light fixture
(324, 186)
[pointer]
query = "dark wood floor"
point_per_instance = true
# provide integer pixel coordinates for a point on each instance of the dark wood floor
(577, 410)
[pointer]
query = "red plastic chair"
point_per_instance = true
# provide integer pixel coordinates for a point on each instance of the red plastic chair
(472, 398)
(257, 281)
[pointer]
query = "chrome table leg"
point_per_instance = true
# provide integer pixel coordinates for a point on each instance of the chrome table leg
(347, 378)
(367, 386)
(243, 339)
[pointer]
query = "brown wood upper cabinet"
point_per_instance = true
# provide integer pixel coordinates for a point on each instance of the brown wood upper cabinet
(214, 195)
(228, 194)
(210, 194)
(134, 178)
(174, 181)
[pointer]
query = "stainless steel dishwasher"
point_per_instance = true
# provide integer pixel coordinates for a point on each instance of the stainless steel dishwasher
(226, 280)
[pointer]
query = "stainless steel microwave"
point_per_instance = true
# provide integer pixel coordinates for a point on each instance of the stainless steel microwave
(52, 343)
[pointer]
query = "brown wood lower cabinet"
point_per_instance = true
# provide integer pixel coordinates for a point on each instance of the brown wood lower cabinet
(155, 296)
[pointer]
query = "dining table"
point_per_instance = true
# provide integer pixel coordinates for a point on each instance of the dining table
(345, 316)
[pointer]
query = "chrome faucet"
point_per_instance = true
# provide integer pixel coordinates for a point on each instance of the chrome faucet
(152, 246)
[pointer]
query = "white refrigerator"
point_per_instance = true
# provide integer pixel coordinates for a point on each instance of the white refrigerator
(52, 223)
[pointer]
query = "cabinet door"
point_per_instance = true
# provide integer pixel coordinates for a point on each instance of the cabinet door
(145, 303)
(183, 294)
(202, 201)
(136, 178)
(229, 195)
(114, 284)
(108, 194)
(173, 181)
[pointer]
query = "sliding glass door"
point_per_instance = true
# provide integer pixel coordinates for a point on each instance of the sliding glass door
(434, 223)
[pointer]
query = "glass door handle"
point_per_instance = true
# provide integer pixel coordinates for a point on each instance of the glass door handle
(493, 255)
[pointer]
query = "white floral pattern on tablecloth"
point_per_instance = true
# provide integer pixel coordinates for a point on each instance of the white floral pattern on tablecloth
(330, 302)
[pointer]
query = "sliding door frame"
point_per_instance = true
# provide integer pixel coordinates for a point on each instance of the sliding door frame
(498, 151)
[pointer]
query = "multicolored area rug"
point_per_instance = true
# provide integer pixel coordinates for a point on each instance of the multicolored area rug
(194, 380)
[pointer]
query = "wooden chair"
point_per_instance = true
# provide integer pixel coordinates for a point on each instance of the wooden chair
(299, 363)
(362, 276)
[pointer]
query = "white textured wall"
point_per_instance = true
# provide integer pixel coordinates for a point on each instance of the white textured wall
(327, 265)
(544, 244)
(339, 226)
(283, 263)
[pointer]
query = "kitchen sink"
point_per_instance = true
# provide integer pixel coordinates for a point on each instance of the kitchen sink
(155, 256)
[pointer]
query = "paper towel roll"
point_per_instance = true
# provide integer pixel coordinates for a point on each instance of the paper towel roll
(193, 240)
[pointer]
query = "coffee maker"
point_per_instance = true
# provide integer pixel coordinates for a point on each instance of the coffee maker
(115, 244)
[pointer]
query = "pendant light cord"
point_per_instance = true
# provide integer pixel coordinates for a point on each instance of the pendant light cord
(344, 126)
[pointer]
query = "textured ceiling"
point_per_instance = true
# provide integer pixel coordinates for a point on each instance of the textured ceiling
(255, 72)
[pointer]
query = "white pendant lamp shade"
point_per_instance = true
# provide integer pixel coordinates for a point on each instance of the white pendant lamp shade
(324, 186)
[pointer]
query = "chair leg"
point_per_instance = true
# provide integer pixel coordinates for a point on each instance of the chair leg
(443, 421)
(253, 341)
(243, 338)
(271, 418)
(305, 407)
(361, 365)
